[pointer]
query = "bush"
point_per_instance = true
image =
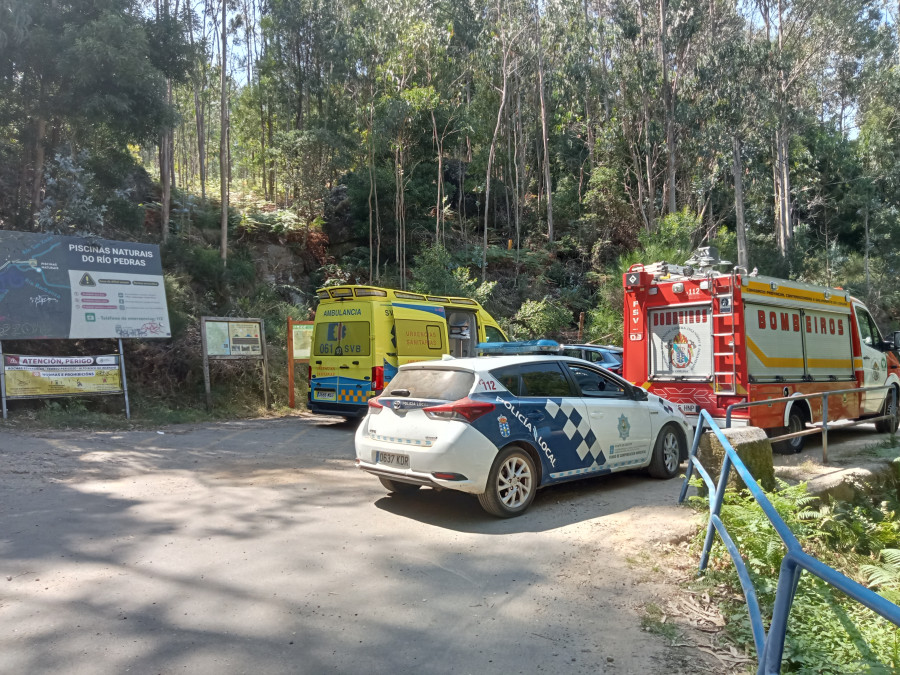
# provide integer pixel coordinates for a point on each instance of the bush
(541, 319)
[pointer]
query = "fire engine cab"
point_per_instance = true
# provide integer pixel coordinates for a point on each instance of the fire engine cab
(707, 339)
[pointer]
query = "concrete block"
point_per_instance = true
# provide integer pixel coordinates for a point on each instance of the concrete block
(752, 446)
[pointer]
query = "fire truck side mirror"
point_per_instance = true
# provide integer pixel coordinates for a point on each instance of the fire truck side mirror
(896, 341)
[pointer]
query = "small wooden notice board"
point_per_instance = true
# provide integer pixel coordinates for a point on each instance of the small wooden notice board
(231, 338)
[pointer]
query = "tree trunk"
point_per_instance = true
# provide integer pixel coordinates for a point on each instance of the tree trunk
(741, 230)
(490, 162)
(669, 104)
(223, 138)
(784, 231)
(40, 128)
(165, 171)
(545, 137)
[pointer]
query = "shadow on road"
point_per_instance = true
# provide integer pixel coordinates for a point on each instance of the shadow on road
(554, 507)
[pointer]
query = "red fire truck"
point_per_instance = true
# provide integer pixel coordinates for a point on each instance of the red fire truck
(705, 339)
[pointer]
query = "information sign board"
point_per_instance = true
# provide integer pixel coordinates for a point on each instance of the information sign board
(60, 287)
(226, 338)
(49, 376)
(302, 340)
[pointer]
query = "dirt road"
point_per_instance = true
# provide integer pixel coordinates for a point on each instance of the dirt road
(257, 547)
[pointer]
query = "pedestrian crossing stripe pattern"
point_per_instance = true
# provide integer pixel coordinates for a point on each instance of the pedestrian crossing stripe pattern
(577, 429)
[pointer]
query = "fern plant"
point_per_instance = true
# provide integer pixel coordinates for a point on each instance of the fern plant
(886, 575)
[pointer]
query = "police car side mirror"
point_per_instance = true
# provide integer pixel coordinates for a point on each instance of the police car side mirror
(638, 394)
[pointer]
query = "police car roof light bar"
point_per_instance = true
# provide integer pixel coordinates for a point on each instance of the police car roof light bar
(522, 347)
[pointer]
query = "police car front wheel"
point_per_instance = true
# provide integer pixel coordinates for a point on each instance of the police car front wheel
(511, 484)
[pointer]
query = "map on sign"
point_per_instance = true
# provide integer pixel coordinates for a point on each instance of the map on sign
(56, 287)
(233, 338)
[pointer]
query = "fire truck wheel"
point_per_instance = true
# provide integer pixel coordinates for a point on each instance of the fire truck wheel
(887, 426)
(398, 487)
(796, 422)
(667, 452)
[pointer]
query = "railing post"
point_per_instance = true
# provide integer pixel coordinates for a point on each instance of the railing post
(715, 509)
(692, 458)
(893, 416)
(788, 579)
(825, 429)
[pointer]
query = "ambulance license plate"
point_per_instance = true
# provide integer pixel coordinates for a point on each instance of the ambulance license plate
(688, 408)
(325, 394)
(392, 459)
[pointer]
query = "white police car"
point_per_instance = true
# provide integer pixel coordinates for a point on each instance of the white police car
(500, 427)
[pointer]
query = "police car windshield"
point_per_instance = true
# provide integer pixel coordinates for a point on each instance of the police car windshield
(432, 383)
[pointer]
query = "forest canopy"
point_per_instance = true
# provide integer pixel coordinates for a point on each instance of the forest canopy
(541, 146)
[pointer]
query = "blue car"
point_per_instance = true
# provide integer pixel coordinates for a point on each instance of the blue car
(501, 427)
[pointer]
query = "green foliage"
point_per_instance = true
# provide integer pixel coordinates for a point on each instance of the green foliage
(828, 632)
(68, 204)
(435, 272)
(543, 318)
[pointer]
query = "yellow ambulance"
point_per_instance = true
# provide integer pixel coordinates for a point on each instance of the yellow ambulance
(363, 333)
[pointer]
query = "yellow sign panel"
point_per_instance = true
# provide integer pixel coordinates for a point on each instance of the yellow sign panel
(38, 376)
(303, 335)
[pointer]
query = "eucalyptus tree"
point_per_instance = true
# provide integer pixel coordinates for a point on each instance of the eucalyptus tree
(804, 37)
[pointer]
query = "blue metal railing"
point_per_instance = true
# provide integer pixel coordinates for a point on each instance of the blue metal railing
(769, 646)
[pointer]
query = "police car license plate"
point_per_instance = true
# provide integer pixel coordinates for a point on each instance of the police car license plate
(688, 407)
(325, 394)
(392, 458)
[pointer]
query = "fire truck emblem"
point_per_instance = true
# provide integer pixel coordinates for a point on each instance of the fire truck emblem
(681, 351)
(624, 427)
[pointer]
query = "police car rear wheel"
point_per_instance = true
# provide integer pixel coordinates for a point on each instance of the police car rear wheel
(511, 484)
(397, 487)
(667, 453)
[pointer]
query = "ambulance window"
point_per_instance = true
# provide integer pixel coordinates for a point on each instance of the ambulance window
(342, 338)
(544, 379)
(492, 334)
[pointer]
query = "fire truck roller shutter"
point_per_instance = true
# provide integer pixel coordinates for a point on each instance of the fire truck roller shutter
(829, 350)
(774, 343)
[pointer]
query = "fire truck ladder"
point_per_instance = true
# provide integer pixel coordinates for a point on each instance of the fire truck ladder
(724, 362)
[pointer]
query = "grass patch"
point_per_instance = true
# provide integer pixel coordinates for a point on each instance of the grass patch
(655, 621)
(108, 413)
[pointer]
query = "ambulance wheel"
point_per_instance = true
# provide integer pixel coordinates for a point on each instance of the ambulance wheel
(398, 487)
(511, 484)
(796, 422)
(667, 452)
(888, 426)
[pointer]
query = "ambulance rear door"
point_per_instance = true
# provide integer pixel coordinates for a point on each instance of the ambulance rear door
(420, 331)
